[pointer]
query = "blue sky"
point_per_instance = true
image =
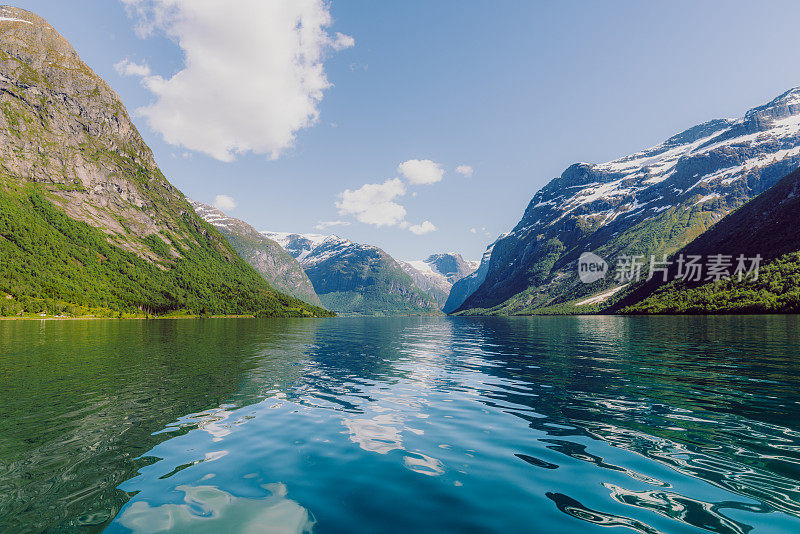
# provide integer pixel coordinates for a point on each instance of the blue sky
(516, 90)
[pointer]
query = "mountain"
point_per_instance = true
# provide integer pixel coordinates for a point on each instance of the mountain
(278, 267)
(88, 223)
(766, 227)
(467, 285)
(355, 279)
(651, 202)
(436, 274)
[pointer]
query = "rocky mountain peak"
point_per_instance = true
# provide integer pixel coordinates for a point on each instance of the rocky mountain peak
(784, 105)
(64, 127)
(40, 63)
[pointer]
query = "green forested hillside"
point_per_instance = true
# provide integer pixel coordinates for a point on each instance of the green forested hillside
(282, 271)
(777, 290)
(369, 283)
(52, 263)
(766, 227)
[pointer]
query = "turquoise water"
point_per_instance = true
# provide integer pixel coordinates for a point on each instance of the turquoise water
(401, 425)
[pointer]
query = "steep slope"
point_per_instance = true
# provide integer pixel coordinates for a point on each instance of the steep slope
(766, 226)
(89, 223)
(651, 202)
(355, 279)
(277, 266)
(436, 274)
(467, 285)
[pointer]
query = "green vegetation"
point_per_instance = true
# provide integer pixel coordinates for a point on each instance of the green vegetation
(88, 223)
(551, 286)
(374, 302)
(54, 264)
(369, 283)
(276, 265)
(764, 226)
(777, 290)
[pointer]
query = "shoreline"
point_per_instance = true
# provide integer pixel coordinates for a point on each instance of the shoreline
(157, 317)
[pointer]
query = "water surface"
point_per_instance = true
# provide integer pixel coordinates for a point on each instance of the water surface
(406, 424)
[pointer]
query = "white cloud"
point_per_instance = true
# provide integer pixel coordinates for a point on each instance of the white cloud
(253, 73)
(465, 170)
(342, 41)
(126, 67)
(225, 203)
(374, 203)
(421, 172)
(425, 227)
(324, 225)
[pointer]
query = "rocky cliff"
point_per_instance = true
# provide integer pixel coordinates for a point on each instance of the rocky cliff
(88, 219)
(467, 285)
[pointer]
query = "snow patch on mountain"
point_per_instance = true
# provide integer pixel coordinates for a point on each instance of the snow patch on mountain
(438, 272)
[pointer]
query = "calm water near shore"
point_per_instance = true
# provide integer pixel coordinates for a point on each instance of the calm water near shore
(663, 424)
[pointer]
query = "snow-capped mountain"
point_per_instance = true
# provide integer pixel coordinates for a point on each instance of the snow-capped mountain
(352, 278)
(298, 245)
(279, 268)
(437, 273)
(653, 201)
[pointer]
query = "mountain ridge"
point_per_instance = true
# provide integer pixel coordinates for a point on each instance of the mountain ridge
(355, 279)
(282, 271)
(764, 227)
(653, 201)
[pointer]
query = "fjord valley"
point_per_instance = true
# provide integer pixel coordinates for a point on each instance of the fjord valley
(92, 227)
(89, 223)
(305, 185)
(437, 273)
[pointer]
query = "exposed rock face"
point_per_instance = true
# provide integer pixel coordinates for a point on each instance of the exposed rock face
(70, 132)
(467, 285)
(651, 202)
(69, 154)
(278, 267)
(356, 279)
(436, 274)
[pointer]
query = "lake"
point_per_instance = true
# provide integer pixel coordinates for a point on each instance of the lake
(544, 424)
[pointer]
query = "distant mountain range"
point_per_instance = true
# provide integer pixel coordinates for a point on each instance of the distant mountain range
(88, 223)
(278, 267)
(355, 279)
(437, 273)
(467, 285)
(652, 202)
